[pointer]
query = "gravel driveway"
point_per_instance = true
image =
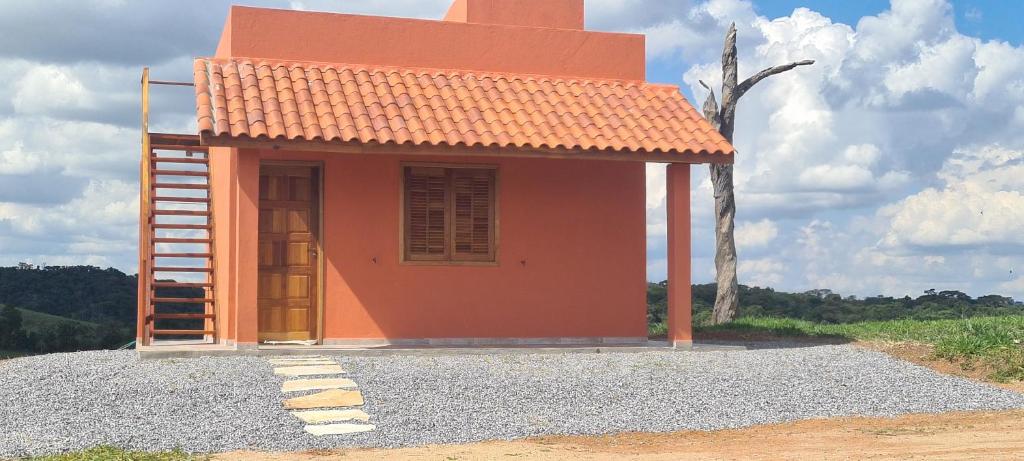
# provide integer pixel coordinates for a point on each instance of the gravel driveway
(62, 402)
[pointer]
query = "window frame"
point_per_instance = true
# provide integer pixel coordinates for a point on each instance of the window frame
(448, 259)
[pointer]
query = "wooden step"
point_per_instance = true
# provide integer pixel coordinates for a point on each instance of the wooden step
(202, 160)
(181, 213)
(172, 145)
(182, 285)
(182, 255)
(174, 185)
(181, 269)
(182, 316)
(180, 332)
(180, 240)
(158, 172)
(179, 148)
(183, 300)
(182, 199)
(181, 226)
(177, 139)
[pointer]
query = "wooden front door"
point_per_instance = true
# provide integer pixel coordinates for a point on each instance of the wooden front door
(288, 250)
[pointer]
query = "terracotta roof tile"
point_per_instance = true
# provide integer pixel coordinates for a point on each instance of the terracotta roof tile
(243, 98)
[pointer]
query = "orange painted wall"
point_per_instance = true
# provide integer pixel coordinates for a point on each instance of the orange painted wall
(578, 224)
(353, 39)
(560, 14)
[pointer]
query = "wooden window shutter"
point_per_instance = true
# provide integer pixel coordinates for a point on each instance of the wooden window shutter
(426, 210)
(472, 236)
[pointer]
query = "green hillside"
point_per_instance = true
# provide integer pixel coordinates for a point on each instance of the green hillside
(24, 331)
(38, 322)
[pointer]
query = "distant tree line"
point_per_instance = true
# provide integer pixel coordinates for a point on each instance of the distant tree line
(824, 306)
(95, 307)
(85, 293)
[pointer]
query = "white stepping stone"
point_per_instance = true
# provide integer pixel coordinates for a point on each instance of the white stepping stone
(338, 429)
(317, 384)
(330, 416)
(307, 370)
(296, 358)
(331, 398)
(291, 363)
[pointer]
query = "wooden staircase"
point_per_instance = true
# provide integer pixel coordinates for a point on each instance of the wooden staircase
(176, 248)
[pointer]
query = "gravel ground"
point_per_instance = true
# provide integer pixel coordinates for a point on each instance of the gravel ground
(63, 402)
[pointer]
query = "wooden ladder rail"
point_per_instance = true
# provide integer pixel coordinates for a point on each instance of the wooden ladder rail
(148, 299)
(144, 338)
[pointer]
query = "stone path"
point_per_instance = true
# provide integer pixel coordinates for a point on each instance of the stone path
(324, 412)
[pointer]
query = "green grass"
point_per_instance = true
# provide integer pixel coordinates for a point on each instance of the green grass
(656, 330)
(999, 341)
(6, 354)
(105, 453)
(35, 322)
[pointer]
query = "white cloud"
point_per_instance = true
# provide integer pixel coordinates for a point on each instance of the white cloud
(1013, 287)
(835, 178)
(760, 272)
(46, 88)
(755, 234)
(981, 204)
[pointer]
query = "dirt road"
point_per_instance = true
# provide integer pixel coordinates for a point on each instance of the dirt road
(950, 436)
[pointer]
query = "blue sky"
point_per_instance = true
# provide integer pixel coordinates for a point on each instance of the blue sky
(893, 165)
(986, 19)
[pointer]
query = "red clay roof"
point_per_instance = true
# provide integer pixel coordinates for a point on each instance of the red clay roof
(287, 101)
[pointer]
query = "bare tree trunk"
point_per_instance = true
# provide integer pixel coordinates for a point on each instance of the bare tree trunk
(724, 120)
(727, 297)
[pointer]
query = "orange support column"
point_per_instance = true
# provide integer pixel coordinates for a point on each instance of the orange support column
(677, 184)
(247, 212)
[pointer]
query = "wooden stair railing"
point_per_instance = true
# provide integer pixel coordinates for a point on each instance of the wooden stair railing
(176, 247)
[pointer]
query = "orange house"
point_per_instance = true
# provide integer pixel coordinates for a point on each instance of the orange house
(367, 181)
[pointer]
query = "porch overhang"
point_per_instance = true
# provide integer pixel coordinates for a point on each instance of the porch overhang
(363, 110)
(374, 148)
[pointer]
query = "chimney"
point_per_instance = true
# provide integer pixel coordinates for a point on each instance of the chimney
(553, 14)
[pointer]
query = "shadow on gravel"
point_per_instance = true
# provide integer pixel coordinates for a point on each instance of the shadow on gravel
(780, 343)
(752, 337)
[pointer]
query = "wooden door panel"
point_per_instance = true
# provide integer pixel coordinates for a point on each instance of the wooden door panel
(299, 188)
(298, 286)
(270, 287)
(266, 253)
(298, 220)
(298, 254)
(288, 221)
(297, 320)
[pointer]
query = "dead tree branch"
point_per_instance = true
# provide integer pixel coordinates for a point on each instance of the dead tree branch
(750, 82)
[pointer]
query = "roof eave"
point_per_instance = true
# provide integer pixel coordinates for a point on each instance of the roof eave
(208, 139)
